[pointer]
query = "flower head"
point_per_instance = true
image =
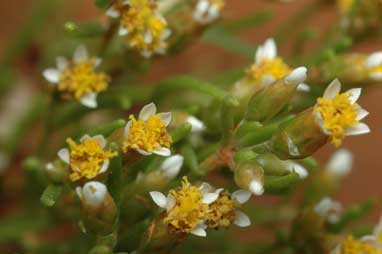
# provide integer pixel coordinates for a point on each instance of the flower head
(338, 114)
(186, 207)
(87, 159)
(78, 78)
(148, 133)
(224, 211)
(92, 194)
(329, 209)
(373, 66)
(207, 11)
(142, 26)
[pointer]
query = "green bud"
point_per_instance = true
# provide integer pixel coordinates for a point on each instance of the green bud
(249, 175)
(272, 165)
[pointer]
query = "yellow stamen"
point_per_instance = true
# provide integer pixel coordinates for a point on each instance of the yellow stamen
(338, 114)
(145, 28)
(189, 209)
(147, 135)
(274, 67)
(354, 246)
(80, 79)
(221, 212)
(87, 158)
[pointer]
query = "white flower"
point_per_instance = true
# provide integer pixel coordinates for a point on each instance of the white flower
(92, 194)
(207, 11)
(143, 138)
(267, 51)
(341, 163)
(329, 209)
(332, 93)
(196, 124)
(256, 187)
(241, 219)
(172, 165)
(86, 95)
(374, 66)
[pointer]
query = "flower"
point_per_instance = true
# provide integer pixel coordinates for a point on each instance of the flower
(87, 159)
(207, 11)
(329, 209)
(92, 194)
(171, 166)
(148, 134)
(338, 115)
(78, 78)
(224, 210)
(186, 207)
(340, 164)
(141, 25)
(373, 66)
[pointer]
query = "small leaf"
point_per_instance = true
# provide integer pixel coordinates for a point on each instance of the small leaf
(180, 133)
(115, 179)
(51, 194)
(103, 4)
(275, 185)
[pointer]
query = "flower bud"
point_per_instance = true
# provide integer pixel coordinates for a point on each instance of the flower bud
(57, 171)
(98, 209)
(249, 175)
(269, 101)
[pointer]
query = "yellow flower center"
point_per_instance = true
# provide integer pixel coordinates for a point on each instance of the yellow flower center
(87, 158)
(345, 6)
(376, 69)
(353, 246)
(145, 27)
(338, 114)
(274, 67)
(221, 212)
(80, 79)
(147, 135)
(189, 209)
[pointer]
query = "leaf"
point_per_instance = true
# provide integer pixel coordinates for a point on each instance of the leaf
(51, 194)
(181, 132)
(275, 185)
(115, 178)
(103, 4)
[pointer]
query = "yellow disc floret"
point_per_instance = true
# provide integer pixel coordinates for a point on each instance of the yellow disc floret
(338, 114)
(87, 158)
(81, 78)
(145, 28)
(273, 67)
(147, 135)
(188, 210)
(354, 246)
(221, 212)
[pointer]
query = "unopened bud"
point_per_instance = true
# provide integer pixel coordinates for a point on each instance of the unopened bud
(249, 175)
(171, 166)
(98, 209)
(270, 100)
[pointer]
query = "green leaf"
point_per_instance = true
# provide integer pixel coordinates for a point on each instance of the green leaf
(191, 160)
(108, 129)
(103, 4)
(83, 30)
(116, 177)
(51, 194)
(181, 132)
(276, 185)
(249, 21)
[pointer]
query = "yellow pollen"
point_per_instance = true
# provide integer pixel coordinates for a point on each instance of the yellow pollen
(353, 246)
(189, 209)
(145, 28)
(338, 114)
(345, 6)
(274, 67)
(147, 135)
(87, 158)
(221, 212)
(81, 78)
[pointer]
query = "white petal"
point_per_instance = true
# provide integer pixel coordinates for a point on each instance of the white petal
(166, 118)
(297, 76)
(377, 76)
(52, 75)
(79, 192)
(89, 100)
(354, 94)
(101, 140)
(80, 54)
(210, 198)
(127, 129)
(299, 170)
(94, 193)
(98, 61)
(62, 63)
(196, 124)
(172, 165)
(259, 57)
(147, 111)
(256, 187)
(241, 196)
(122, 31)
(170, 202)
(270, 49)
(268, 79)
(84, 137)
(378, 231)
(158, 198)
(163, 151)
(199, 231)
(143, 152)
(205, 188)
(321, 124)
(303, 88)
(333, 89)
(241, 219)
(361, 114)
(358, 129)
(374, 60)
(64, 155)
(112, 12)
(105, 166)
(341, 163)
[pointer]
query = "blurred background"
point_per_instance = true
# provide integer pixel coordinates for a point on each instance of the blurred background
(24, 26)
